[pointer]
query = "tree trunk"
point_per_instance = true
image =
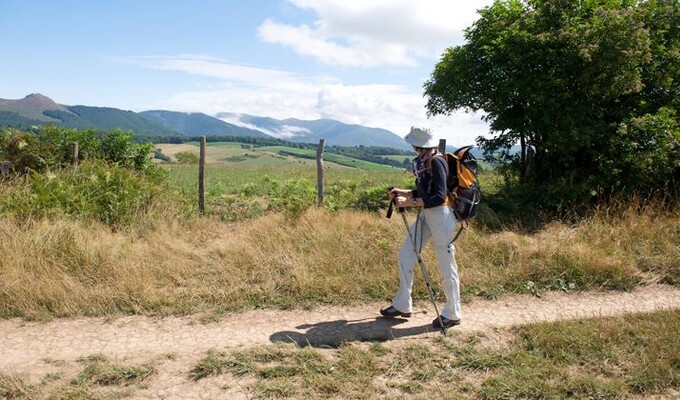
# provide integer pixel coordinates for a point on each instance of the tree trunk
(522, 158)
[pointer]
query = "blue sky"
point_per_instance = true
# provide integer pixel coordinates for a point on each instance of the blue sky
(360, 62)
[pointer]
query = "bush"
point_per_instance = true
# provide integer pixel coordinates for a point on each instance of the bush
(185, 157)
(114, 195)
(50, 148)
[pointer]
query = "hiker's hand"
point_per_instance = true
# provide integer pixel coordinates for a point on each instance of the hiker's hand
(407, 201)
(401, 201)
(399, 192)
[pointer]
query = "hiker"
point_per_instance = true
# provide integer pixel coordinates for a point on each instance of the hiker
(435, 221)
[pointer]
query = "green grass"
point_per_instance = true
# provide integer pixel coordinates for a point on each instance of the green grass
(99, 370)
(594, 358)
(606, 358)
(272, 155)
(250, 182)
(310, 154)
(398, 157)
(257, 186)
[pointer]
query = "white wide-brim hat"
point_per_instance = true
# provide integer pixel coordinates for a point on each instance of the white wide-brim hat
(421, 137)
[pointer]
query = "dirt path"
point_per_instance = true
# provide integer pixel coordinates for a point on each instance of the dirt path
(35, 349)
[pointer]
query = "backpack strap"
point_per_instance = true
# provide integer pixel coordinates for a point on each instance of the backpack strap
(463, 225)
(448, 201)
(429, 162)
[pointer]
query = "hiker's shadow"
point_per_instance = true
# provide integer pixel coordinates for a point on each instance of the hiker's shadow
(334, 333)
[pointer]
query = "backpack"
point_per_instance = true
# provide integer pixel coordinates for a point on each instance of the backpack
(462, 184)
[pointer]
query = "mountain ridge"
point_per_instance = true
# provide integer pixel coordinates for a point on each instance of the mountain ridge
(32, 106)
(36, 109)
(195, 124)
(310, 131)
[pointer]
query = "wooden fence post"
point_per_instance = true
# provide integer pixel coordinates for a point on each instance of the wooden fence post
(319, 172)
(442, 146)
(5, 169)
(74, 154)
(201, 177)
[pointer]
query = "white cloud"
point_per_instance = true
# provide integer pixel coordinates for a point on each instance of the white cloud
(216, 68)
(394, 108)
(286, 131)
(358, 53)
(377, 32)
(280, 94)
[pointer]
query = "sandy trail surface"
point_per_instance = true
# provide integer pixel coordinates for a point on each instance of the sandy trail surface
(34, 349)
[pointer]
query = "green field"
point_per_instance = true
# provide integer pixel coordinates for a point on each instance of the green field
(232, 152)
(243, 182)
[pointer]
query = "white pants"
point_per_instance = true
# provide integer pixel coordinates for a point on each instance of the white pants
(438, 224)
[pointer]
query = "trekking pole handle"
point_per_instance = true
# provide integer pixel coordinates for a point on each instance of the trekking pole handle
(390, 209)
(392, 203)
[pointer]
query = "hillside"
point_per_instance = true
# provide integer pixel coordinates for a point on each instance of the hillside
(194, 124)
(29, 111)
(37, 109)
(335, 132)
(31, 107)
(106, 119)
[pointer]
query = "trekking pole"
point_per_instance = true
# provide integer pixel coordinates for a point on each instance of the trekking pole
(426, 275)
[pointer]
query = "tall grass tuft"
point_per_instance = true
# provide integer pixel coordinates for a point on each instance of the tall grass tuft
(100, 370)
(14, 387)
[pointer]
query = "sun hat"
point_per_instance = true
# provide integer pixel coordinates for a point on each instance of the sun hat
(421, 137)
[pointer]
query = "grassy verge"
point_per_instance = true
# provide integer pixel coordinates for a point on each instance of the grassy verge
(98, 378)
(58, 267)
(606, 358)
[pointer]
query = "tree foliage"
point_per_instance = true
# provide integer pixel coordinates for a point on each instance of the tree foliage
(589, 89)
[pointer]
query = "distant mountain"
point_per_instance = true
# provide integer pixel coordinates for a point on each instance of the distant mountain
(31, 107)
(335, 132)
(195, 124)
(36, 109)
(106, 119)
(29, 111)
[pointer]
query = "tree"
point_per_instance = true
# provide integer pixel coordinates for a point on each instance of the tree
(564, 79)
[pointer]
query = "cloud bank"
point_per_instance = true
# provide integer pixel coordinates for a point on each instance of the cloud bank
(378, 34)
(360, 33)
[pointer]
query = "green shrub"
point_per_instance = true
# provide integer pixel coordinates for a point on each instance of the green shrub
(186, 157)
(111, 194)
(50, 148)
(293, 196)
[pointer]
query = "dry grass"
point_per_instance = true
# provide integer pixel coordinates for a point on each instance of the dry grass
(98, 378)
(610, 250)
(58, 267)
(63, 268)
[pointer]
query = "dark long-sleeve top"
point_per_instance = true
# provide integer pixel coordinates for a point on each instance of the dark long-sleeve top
(431, 186)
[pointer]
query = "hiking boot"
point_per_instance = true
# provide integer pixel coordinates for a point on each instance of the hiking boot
(390, 311)
(447, 323)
